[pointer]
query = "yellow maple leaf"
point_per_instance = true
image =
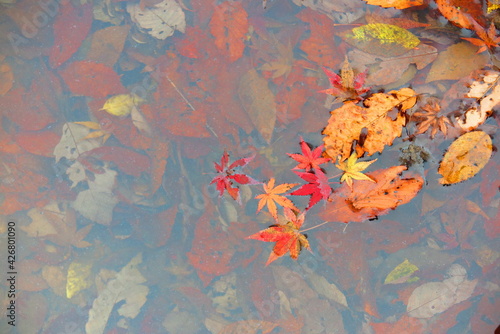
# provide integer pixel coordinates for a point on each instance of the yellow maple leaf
(272, 195)
(352, 169)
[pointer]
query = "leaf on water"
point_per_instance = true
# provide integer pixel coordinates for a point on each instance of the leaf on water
(367, 200)
(98, 201)
(258, 101)
(456, 62)
(126, 286)
(390, 69)
(348, 122)
(465, 157)
(352, 169)
(398, 4)
(402, 273)
(488, 99)
(460, 12)
(229, 25)
(287, 237)
(78, 278)
(272, 195)
(160, 20)
(381, 39)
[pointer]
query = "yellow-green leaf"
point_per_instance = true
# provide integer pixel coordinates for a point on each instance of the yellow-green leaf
(465, 157)
(352, 169)
(402, 273)
(78, 278)
(122, 104)
(382, 39)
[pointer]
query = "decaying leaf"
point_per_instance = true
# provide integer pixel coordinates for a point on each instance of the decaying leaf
(98, 201)
(126, 286)
(258, 101)
(436, 297)
(327, 289)
(367, 200)
(107, 44)
(75, 141)
(465, 157)
(402, 273)
(78, 278)
(348, 122)
(382, 39)
(487, 92)
(160, 20)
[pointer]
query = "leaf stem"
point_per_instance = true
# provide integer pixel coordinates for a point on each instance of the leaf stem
(313, 227)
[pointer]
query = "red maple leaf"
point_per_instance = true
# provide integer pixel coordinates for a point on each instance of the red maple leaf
(224, 180)
(317, 187)
(308, 159)
(287, 236)
(346, 86)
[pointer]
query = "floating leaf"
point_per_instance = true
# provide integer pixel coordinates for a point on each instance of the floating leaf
(465, 157)
(287, 236)
(401, 273)
(160, 20)
(462, 12)
(398, 4)
(352, 169)
(272, 195)
(348, 122)
(382, 39)
(367, 200)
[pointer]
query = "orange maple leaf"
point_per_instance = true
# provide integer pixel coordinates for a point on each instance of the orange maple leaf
(272, 195)
(287, 236)
(488, 39)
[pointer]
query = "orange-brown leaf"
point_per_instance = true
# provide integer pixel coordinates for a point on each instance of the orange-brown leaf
(272, 195)
(398, 4)
(367, 200)
(229, 25)
(287, 237)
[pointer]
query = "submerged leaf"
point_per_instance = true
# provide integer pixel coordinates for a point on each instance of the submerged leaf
(401, 273)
